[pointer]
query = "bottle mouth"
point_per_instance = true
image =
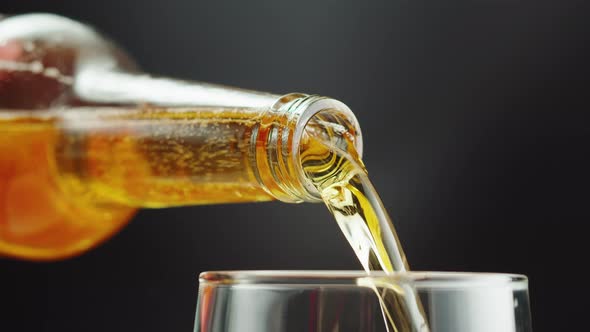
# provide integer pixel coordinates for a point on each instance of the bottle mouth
(300, 111)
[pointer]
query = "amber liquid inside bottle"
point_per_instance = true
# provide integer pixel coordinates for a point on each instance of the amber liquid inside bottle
(79, 153)
(67, 185)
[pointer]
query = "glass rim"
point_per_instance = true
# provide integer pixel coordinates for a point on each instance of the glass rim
(417, 279)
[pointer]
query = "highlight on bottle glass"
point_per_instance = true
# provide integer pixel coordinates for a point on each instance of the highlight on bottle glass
(321, 301)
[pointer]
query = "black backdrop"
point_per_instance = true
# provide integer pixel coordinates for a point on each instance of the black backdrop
(475, 134)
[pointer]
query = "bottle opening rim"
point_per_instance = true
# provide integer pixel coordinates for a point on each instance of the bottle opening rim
(303, 111)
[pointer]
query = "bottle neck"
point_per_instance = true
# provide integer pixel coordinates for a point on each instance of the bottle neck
(275, 143)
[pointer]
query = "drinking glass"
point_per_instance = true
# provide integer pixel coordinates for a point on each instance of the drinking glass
(321, 301)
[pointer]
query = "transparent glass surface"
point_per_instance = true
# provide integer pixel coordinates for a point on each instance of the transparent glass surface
(276, 301)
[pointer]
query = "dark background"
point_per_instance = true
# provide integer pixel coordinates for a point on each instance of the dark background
(474, 119)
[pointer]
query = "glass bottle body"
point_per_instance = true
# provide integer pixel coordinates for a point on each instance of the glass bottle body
(86, 140)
